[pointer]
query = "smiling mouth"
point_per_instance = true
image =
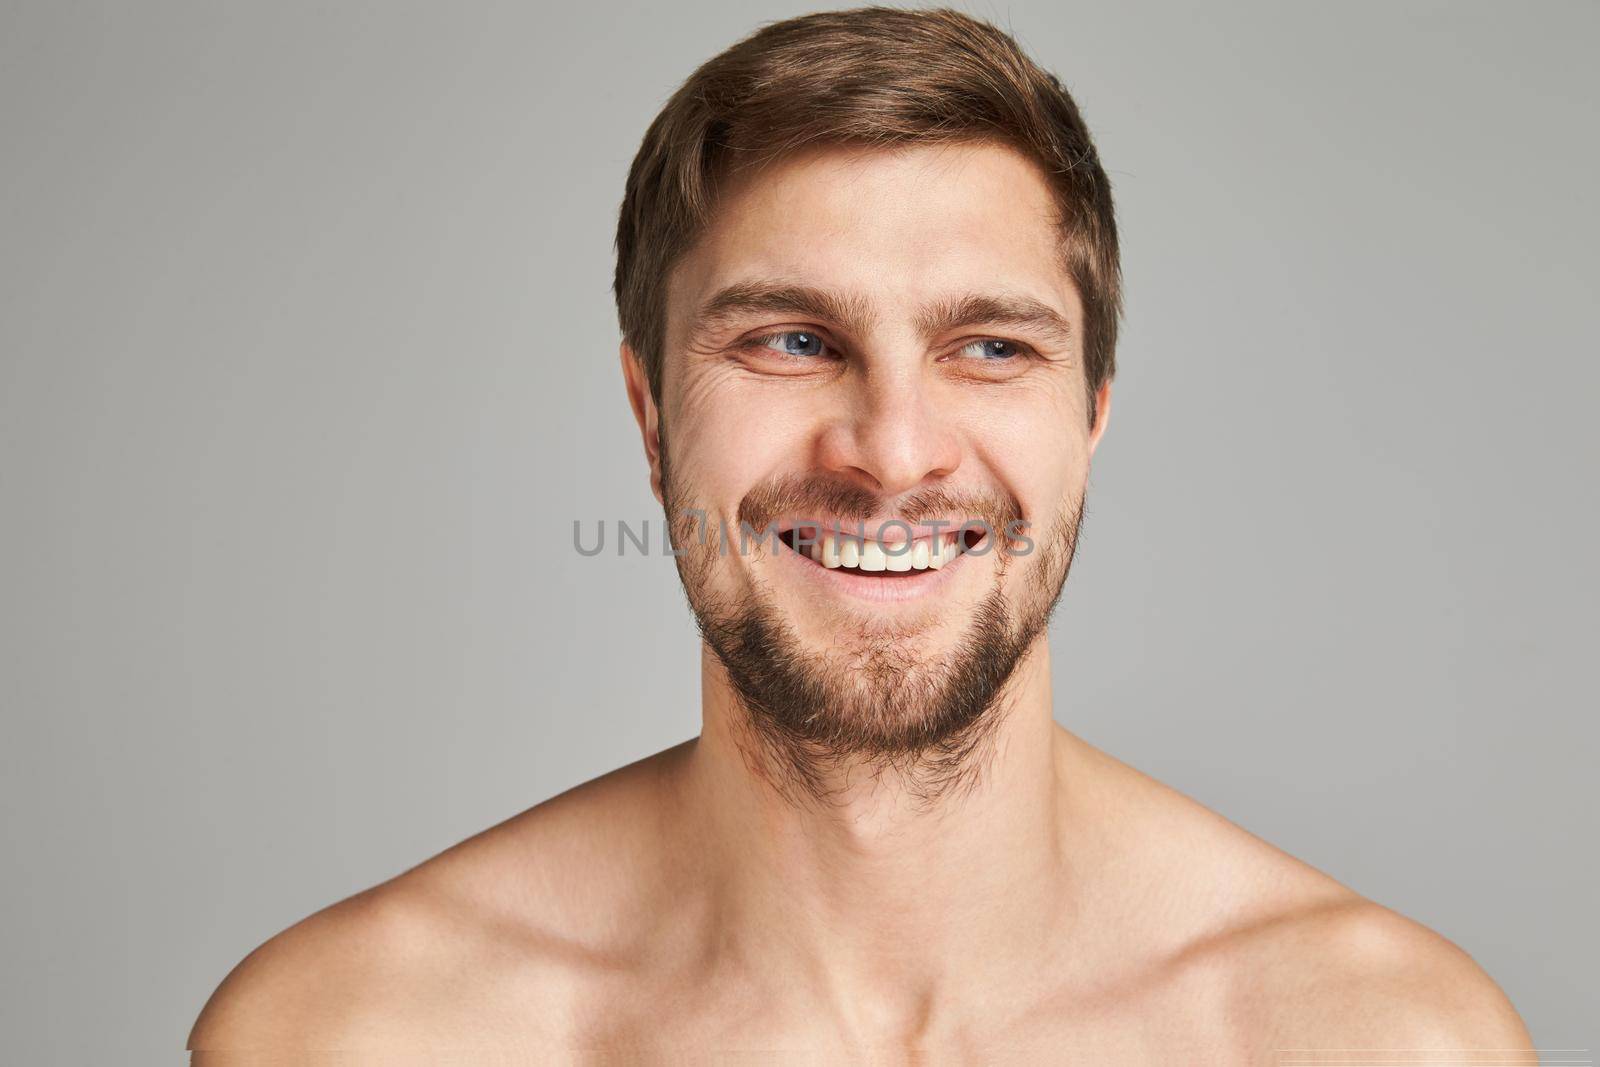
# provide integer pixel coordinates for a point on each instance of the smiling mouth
(876, 559)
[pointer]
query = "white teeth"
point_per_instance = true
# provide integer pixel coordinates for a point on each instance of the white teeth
(873, 557)
(849, 552)
(830, 552)
(924, 554)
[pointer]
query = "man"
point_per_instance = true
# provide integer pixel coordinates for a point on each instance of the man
(868, 284)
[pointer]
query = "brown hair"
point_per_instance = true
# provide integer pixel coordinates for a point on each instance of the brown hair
(873, 76)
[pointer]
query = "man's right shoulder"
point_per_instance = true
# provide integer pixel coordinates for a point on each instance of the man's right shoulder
(506, 929)
(309, 985)
(375, 970)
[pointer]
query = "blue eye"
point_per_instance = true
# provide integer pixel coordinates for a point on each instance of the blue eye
(794, 343)
(994, 349)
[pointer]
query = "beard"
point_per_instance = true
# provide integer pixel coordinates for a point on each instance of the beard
(873, 698)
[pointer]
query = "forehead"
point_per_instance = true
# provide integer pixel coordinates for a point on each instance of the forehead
(894, 229)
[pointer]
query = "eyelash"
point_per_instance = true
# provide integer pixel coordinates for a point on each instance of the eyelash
(765, 340)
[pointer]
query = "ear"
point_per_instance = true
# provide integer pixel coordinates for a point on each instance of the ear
(645, 414)
(1102, 414)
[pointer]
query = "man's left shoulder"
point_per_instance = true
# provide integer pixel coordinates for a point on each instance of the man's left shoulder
(1352, 974)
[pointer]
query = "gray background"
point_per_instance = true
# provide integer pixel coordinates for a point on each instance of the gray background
(309, 365)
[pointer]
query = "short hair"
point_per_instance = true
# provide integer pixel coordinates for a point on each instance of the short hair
(874, 77)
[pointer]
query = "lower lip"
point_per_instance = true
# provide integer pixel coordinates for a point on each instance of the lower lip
(904, 586)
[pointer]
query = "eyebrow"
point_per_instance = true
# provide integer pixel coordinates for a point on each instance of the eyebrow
(979, 309)
(743, 298)
(855, 314)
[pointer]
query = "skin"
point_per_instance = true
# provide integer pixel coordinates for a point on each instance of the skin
(1068, 908)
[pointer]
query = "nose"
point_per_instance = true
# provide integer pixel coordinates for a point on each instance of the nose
(892, 437)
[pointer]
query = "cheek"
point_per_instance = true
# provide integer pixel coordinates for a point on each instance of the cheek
(724, 439)
(1036, 447)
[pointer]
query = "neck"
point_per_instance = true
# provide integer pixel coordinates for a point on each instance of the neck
(887, 905)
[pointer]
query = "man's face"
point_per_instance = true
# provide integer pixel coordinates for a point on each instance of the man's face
(867, 335)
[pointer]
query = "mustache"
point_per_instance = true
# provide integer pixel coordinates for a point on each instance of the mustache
(822, 496)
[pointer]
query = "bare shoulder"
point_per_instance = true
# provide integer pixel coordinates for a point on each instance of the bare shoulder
(1359, 975)
(339, 979)
(497, 941)
(1294, 958)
